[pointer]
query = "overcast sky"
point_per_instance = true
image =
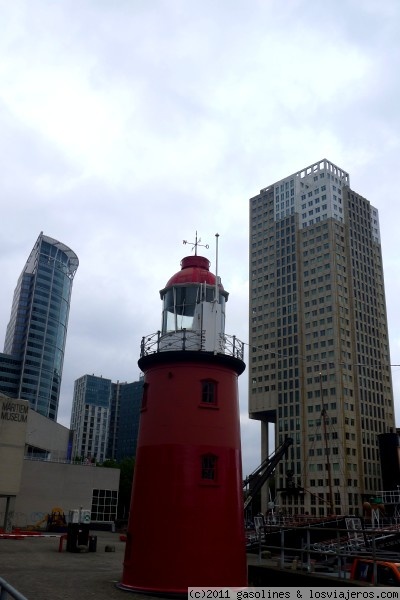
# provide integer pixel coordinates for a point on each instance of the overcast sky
(127, 125)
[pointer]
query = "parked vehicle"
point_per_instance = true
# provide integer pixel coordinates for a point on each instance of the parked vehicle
(377, 572)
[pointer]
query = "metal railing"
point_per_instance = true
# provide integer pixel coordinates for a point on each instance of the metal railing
(188, 340)
(64, 461)
(234, 346)
(327, 550)
(8, 591)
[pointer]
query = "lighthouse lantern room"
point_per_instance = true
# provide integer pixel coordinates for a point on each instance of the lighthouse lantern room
(193, 308)
(186, 520)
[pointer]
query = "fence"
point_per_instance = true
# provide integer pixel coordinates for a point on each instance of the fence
(189, 340)
(7, 591)
(310, 548)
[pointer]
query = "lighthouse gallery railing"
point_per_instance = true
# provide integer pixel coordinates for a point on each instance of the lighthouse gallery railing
(190, 341)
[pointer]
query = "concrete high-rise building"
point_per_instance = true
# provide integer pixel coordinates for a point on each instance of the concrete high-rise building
(319, 347)
(90, 417)
(32, 363)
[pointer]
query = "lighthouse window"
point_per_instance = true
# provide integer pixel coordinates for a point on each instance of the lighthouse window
(209, 467)
(209, 393)
(179, 307)
(181, 311)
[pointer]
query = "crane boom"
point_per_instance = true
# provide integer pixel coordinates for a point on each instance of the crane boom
(265, 470)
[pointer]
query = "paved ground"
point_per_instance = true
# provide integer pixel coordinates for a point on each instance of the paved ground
(36, 569)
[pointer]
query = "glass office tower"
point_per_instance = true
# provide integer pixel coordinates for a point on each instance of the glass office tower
(37, 330)
(125, 409)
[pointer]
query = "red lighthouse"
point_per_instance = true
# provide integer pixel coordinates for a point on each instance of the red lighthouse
(186, 524)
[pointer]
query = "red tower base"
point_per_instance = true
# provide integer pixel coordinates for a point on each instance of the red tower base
(186, 525)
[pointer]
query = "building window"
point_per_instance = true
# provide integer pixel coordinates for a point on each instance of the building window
(104, 505)
(209, 393)
(209, 467)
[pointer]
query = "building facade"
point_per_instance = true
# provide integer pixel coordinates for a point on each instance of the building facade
(124, 420)
(105, 418)
(319, 348)
(10, 375)
(90, 418)
(13, 426)
(37, 477)
(37, 330)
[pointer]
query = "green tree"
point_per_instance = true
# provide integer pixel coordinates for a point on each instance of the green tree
(126, 467)
(110, 463)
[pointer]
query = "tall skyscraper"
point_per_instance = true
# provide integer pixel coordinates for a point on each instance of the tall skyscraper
(319, 348)
(37, 331)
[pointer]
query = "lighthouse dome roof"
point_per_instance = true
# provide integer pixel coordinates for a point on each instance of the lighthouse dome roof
(194, 269)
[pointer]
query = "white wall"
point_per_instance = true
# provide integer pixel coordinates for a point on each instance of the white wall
(46, 485)
(13, 425)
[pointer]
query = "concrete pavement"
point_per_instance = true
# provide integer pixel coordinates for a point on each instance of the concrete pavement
(36, 568)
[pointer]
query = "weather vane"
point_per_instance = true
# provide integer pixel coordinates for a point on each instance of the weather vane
(196, 244)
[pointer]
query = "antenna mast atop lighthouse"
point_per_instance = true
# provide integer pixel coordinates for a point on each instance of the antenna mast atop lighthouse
(189, 444)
